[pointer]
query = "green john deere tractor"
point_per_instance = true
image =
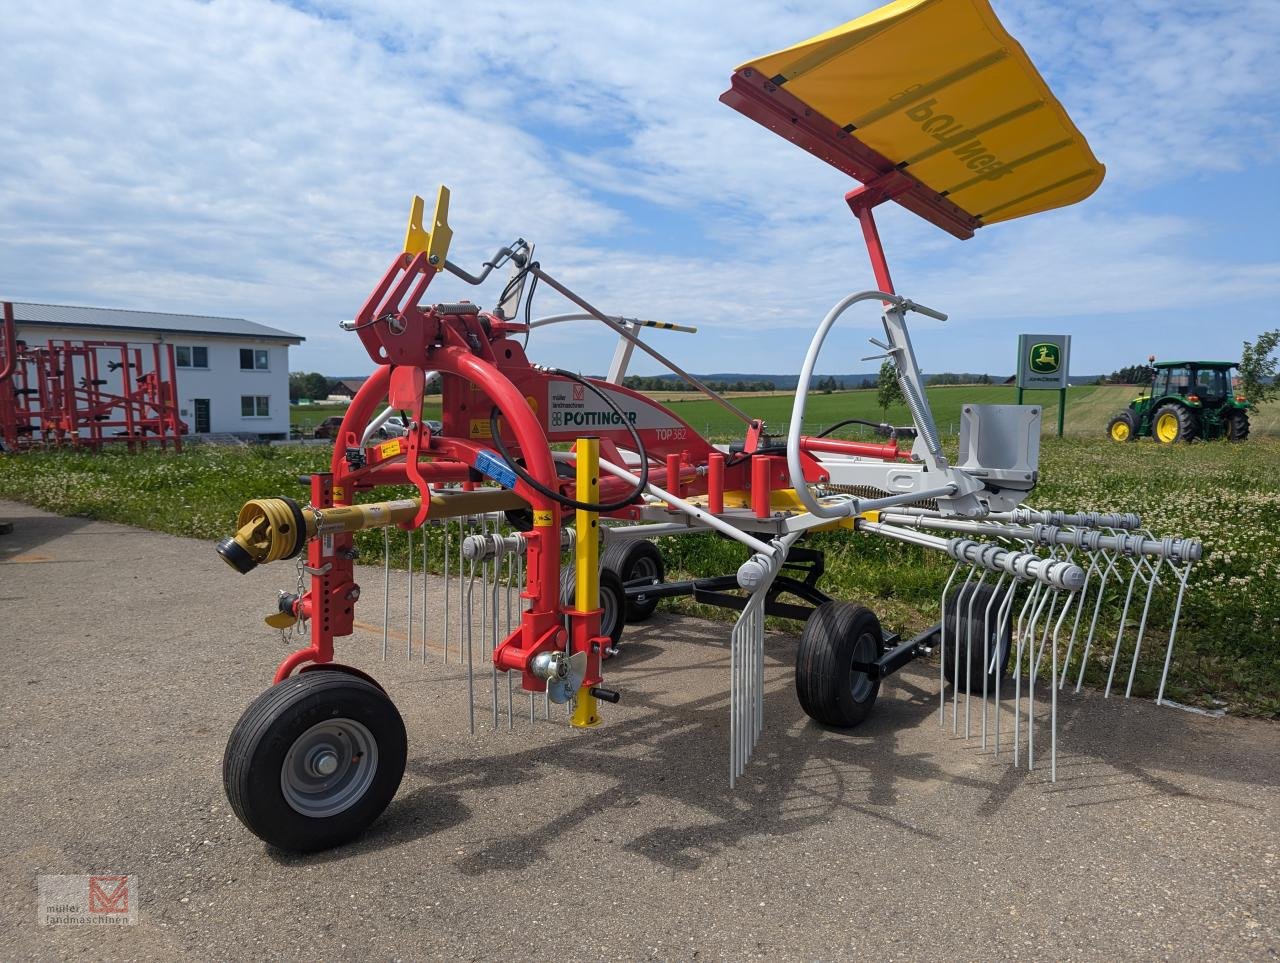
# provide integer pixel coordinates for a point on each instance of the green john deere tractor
(1187, 400)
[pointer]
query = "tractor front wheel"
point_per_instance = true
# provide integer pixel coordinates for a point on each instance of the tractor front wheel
(1174, 423)
(1123, 427)
(314, 760)
(831, 688)
(1236, 425)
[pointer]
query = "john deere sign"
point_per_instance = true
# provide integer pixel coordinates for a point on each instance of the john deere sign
(1043, 360)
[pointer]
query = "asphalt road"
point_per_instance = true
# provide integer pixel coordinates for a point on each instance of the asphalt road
(129, 656)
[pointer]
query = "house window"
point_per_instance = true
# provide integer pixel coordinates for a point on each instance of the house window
(255, 406)
(253, 359)
(191, 356)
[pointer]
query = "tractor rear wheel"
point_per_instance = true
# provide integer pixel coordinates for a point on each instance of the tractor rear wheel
(636, 560)
(1236, 425)
(314, 760)
(1173, 423)
(831, 690)
(1123, 427)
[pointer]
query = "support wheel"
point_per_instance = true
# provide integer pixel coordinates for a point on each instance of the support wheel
(1174, 423)
(314, 760)
(636, 560)
(612, 600)
(830, 689)
(959, 627)
(1236, 425)
(1123, 427)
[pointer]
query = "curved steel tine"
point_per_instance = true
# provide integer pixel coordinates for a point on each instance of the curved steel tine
(968, 651)
(1002, 625)
(986, 650)
(1032, 665)
(1142, 625)
(1020, 635)
(1053, 692)
(1089, 572)
(386, 591)
(1097, 609)
(1183, 574)
(942, 648)
(955, 671)
(408, 655)
(448, 578)
(1124, 617)
(426, 541)
(466, 635)
(464, 609)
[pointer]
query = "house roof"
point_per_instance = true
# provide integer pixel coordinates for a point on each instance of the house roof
(349, 384)
(65, 315)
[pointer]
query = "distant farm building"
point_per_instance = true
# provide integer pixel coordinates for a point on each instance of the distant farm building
(232, 374)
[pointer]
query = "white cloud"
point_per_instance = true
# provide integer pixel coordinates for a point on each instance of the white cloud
(248, 158)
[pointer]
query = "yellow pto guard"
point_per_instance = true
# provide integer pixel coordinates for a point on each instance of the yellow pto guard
(937, 101)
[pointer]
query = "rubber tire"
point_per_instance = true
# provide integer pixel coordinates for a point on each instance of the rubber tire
(1188, 423)
(957, 630)
(1126, 417)
(260, 741)
(823, 663)
(1235, 426)
(612, 600)
(623, 558)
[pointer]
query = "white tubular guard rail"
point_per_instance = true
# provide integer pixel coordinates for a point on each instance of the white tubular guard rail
(848, 506)
(1024, 566)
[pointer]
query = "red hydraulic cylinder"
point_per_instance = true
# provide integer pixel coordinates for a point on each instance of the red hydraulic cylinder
(715, 483)
(888, 451)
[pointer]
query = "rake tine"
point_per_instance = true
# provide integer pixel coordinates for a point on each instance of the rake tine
(986, 651)
(955, 671)
(426, 541)
(1142, 627)
(1053, 694)
(386, 591)
(1032, 665)
(464, 611)
(1173, 629)
(471, 685)
(942, 648)
(408, 655)
(447, 579)
(1002, 623)
(1075, 625)
(968, 651)
(1093, 625)
(1124, 617)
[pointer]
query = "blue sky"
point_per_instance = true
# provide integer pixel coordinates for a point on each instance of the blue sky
(256, 159)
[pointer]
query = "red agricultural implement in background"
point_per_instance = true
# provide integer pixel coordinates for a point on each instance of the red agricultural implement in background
(931, 105)
(87, 393)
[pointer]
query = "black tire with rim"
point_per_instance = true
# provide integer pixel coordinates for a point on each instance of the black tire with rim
(634, 560)
(612, 600)
(1235, 425)
(314, 760)
(1185, 425)
(1123, 427)
(975, 599)
(830, 690)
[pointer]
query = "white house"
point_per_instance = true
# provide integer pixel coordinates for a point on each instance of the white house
(233, 374)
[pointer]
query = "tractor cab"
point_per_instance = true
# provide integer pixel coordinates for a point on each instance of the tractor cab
(1187, 400)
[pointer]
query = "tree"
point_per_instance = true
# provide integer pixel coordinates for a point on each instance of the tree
(888, 392)
(1258, 368)
(310, 385)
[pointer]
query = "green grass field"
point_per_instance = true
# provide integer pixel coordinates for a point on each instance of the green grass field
(1228, 495)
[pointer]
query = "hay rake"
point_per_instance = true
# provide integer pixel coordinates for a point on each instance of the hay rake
(543, 491)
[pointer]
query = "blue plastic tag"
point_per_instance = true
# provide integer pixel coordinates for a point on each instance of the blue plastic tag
(488, 463)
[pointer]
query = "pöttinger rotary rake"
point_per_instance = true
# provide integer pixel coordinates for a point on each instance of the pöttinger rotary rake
(975, 138)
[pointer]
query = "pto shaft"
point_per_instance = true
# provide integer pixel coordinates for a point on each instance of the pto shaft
(270, 529)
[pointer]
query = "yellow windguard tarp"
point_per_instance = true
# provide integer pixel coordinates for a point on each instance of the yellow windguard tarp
(944, 94)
